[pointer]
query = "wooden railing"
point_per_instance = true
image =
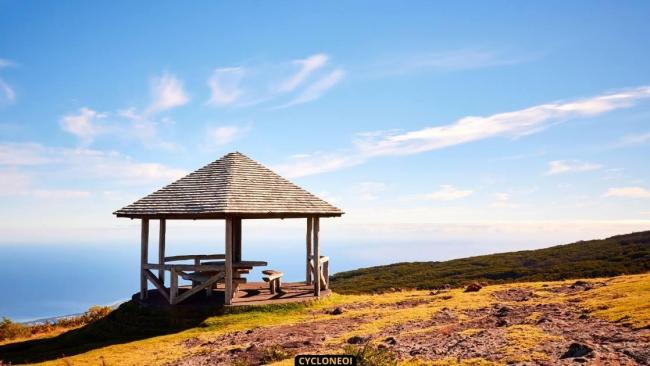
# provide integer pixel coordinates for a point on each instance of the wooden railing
(324, 270)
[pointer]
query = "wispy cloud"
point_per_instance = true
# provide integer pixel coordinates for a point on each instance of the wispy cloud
(628, 192)
(7, 93)
(84, 124)
(309, 164)
(307, 80)
(317, 89)
(368, 191)
(225, 85)
(454, 60)
(570, 166)
(448, 193)
(222, 135)
(131, 123)
(90, 163)
(306, 67)
(467, 129)
(166, 92)
(20, 154)
(17, 184)
(503, 200)
(637, 139)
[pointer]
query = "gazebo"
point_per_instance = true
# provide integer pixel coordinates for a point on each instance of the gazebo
(232, 188)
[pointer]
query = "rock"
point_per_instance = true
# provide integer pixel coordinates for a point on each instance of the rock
(502, 323)
(577, 350)
(391, 340)
(249, 331)
(474, 287)
(336, 311)
(356, 340)
(584, 285)
(503, 311)
(583, 316)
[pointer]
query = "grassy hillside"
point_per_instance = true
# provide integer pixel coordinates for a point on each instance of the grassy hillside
(501, 324)
(622, 254)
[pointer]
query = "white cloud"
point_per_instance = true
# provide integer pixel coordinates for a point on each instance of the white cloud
(462, 59)
(6, 63)
(368, 191)
(637, 139)
(88, 163)
(13, 183)
(24, 154)
(628, 192)
(307, 67)
(166, 92)
(222, 135)
(7, 93)
(19, 184)
(224, 85)
(503, 200)
(317, 89)
(570, 166)
(448, 193)
(301, 165)
(467, 129)
(84, 125)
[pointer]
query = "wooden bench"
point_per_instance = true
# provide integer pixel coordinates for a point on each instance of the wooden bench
(274, 278)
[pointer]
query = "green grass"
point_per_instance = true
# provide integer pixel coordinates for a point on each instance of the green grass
(622, 254)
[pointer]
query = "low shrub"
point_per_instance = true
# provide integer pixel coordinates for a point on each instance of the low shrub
(11, 330)
(371, 355)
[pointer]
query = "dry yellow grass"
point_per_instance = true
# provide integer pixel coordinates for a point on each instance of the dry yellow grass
(625, 297)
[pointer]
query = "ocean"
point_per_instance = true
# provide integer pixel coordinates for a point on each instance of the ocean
(43, 281)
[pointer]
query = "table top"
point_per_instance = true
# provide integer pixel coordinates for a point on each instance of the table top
(240, 264)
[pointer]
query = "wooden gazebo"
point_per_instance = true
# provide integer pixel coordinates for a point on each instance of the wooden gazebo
(232, 188)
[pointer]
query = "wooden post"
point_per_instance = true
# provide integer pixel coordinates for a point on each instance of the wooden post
(309, 251)
(228, 294)
(161, 249)
(144, 257)
(173, 286)
(316, 258)
(236, 234)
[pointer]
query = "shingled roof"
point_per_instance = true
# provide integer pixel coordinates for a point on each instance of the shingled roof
(234, 185)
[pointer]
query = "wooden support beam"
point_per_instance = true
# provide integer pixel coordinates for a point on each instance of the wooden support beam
(308, 271)
(209, 283)
(173, 286)
(236, 237)
(229, 277)
(144, 257)
(316, 258)
(161, 249)
(326, 274)
(159, 285)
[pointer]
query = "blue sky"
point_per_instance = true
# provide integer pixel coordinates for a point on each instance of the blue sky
(505, 125)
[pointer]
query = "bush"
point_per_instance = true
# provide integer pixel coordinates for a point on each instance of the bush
(11, 330)
(274, 354)
(370, 355)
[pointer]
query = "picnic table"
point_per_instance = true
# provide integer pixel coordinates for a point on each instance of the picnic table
(204, 275)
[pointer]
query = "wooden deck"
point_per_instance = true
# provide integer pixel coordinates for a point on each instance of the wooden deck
(255, 293)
